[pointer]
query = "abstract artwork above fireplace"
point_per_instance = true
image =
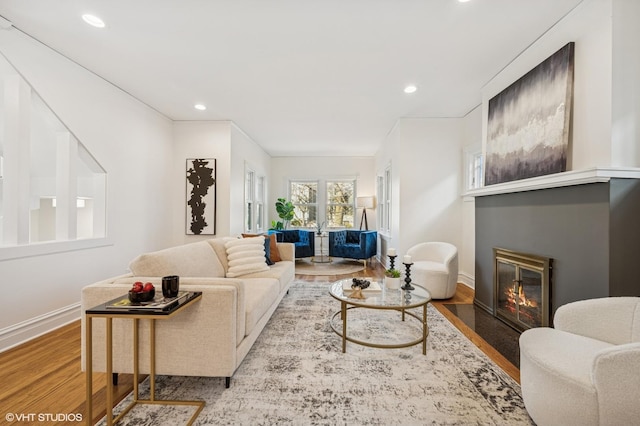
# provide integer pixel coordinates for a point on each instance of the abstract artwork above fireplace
(528, 123)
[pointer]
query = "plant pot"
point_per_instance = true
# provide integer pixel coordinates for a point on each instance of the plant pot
(392, 283)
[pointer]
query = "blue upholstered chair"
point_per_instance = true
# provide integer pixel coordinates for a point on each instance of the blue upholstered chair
(304, 241)
(353, 244)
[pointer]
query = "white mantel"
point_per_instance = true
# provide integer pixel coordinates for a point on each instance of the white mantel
(574, 177)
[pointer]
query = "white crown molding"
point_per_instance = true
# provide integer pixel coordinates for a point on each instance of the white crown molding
(570, 178)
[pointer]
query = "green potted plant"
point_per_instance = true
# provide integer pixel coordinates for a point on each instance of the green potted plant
(392, 279)
(285, 210)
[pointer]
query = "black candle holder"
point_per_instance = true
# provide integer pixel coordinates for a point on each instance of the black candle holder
(392, 260)
(407, 278)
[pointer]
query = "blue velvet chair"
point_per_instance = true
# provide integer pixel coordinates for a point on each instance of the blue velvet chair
(353, 244)
(304, 241)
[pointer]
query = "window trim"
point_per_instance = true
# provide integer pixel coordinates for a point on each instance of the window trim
(321, 198)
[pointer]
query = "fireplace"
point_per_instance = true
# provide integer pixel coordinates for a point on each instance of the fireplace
(521, 288)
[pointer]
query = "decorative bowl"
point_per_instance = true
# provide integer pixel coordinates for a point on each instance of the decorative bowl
(142, 296)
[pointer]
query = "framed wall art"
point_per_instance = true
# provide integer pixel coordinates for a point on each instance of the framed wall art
(529, 122)
(201, 196)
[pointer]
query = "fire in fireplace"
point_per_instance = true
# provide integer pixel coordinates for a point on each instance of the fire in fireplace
(521, 288)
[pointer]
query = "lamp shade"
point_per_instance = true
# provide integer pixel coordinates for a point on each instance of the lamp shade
(366, 202)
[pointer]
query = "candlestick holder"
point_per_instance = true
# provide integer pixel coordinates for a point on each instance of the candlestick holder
(407, 278)
(392, 260)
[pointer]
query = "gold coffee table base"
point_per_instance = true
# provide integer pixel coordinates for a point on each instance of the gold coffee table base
(385, 300)
(343, 333)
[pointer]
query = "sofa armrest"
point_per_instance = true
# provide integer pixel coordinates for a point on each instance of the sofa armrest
(368, 240)
(609, 319)
(287, 251)
(616, 376)
(216, 325)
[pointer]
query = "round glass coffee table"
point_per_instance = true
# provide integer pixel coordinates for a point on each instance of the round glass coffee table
(386, 299)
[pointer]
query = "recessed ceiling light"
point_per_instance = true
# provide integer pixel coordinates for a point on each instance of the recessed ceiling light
(200, 107)
(410, 89)
(93, 20)
(463, 1)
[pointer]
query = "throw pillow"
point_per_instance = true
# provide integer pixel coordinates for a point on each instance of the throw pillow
(272, 252)
(267, 246)
(245, 256)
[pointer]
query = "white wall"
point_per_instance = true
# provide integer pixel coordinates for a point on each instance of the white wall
(200, 139)
(285, 168)
(430, 173)
(472, 140)
(590, 26)
(388, 156)
(625, 138)
(134, 145)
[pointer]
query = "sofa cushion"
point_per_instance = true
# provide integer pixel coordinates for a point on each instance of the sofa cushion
(260, 294)
(245, 255)
(188, 260)
(283, 271)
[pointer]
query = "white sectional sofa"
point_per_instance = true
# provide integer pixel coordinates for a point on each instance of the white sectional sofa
(209, 338)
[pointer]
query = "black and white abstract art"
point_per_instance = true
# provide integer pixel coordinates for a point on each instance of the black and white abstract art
(528, 123)
(201, 196)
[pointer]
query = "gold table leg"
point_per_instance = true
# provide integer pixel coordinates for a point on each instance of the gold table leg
(109, 371)
(136, 355)
(344, 326)
(425, 329)
(88, 359)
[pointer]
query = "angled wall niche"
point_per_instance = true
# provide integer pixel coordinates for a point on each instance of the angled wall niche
(51, 188)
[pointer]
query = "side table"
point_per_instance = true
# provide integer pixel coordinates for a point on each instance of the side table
(136, 314)
(322, 258)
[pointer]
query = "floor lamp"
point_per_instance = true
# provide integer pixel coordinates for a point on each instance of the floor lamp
(368, 202)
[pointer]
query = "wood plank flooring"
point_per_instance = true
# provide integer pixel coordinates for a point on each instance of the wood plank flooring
(44, 375)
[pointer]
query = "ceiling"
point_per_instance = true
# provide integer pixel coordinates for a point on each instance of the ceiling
(300, 77)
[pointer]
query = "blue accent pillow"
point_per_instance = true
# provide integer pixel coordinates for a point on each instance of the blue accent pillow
(267, 251)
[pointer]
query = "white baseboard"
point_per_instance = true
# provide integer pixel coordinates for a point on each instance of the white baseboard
(24, 331)
(467, 280)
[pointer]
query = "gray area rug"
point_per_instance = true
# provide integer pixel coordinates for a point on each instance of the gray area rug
(296, 374)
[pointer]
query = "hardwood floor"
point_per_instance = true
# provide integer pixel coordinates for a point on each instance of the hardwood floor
(44, 376)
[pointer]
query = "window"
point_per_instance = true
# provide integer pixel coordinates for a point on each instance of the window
(248, 201)
(331, 202)
(259, 203)
(383, 189)
(304, 196)
(474, 169)
(254, 202)
(340, 204)
(381, 202)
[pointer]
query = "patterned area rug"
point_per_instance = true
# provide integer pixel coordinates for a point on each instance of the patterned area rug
(336, 267)
(296, 374)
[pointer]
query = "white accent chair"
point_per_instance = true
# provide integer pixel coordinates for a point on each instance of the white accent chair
(586, 370)
(435, 267)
